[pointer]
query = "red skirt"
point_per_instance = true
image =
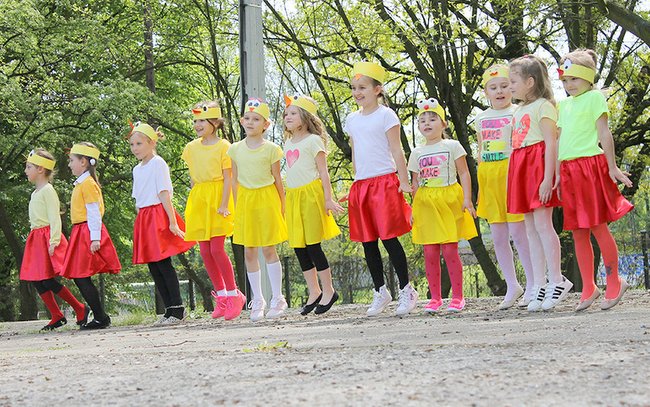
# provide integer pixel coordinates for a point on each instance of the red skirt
(589, 196)
(152, 240)
(37, 263)
(80, 263)
(377, 209)
(525, 175)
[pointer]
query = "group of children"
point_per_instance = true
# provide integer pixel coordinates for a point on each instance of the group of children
(238, 190)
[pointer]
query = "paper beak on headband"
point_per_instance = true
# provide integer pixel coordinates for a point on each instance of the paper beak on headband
(568, 68)
(431, 105)
(40, 161)
(302, 102)
(257, 106)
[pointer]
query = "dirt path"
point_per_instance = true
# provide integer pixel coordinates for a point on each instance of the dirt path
(480, 357)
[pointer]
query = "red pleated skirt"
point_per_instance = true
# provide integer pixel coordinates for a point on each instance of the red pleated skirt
(80, 263)
(525, 175)
(589, 196)
(152, 240)
(377, 209)
(37, 263)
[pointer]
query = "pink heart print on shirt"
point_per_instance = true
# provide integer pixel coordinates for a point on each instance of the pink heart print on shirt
(292, 157)
(520, 131)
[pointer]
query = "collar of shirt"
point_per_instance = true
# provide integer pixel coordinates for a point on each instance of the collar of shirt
(82, 178)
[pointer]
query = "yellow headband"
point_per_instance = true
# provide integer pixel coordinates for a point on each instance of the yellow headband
(257, 106)
(205, 112)
(40, 161)
(370, 69)
(431, 105)
(302, 102)
(568, 68)
(496, 71)
(145, 129)
(86, 151)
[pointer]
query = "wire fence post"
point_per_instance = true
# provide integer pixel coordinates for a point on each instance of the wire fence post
(644, 251)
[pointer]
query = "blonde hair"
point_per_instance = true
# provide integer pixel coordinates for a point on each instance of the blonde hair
(532, 66)
(45, 154)
(91, 168)
(216, 123)
(313, 123)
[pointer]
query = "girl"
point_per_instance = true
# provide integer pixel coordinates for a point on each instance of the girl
(588, 176)
(158, 229)
(494, 129)
(259, 199)
(45, 247)
(531, 176)
(91, 249)
(209, 210)
(309, 199)
(442, 210)
(377, 208)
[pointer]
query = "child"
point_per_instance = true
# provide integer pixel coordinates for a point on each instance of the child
(494, 129)
(209, 210)
(158, 229)
(588, 176)
(259, 200)
(91, 249)
(377, 208)
(442, 209)
(309, 199)
(45, 247)
(531, 176)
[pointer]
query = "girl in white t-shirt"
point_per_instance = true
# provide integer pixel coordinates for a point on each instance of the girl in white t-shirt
(158, 232)
(377, 208)
(309, 199)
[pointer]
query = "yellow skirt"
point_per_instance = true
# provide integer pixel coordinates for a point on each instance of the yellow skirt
(202, 221)
(492, 183)
(307, 219)
(438, 216)
(258, 217)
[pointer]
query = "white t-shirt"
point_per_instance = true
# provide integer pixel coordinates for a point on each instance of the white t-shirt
(372, 156)
(436, 164)
(149, 180)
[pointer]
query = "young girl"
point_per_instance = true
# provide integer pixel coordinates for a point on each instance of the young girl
(531, 176)
(91, 249)
(259, 200)
(494, 129)
(442, 209)
(309, 199)
(588, 176)
(158, 229)
(377, 208)
(209, 210)
(45, 247)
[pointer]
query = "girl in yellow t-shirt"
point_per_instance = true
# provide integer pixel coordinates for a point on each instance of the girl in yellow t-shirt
(259, 203)
(309, 199)
(209, 211)
(45, 247)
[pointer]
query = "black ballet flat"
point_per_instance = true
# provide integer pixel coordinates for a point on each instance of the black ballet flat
(97, 324)
(86, 313)
(54, 325)
(310, 307)
(321, 309)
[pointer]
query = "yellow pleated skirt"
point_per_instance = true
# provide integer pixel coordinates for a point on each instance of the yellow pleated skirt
(258, 217)
(202, 221)
(492, 193)
(438, 216)
(307, 219)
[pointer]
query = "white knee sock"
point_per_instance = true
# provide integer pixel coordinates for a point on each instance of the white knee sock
(275, 276)
(255, 280)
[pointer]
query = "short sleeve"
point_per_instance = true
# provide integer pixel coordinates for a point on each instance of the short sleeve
(345, 124)
(547, 110)
(232, 152)
(598, 104)
(90, 192)
(53, 207)
(226, 162)
(560, 107)
(413, 165)
(317, 146)
(186, 154)
(162, 177)
(276, 154)
(457, 150)
(133, 183)
(390, 119)
(477, 125)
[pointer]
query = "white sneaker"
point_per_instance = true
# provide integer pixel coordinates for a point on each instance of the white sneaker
(528, 296)
(380, 300)
(172, 320)
(555, 293)
(536, 303)
(406, 300)
(505, 304)
(257, 309)
(160, 321)
(278, 305)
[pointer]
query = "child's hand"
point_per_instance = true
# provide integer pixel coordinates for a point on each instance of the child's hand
(344, 198)
(469, 207)
(545, 191)
(556, 186)
(617, 175)
(94, 246)
(223, 210)
(333, 207)
(405, 187)
(50, 250)
(176, 230)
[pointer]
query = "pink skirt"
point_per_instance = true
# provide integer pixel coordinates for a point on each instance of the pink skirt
(152, 239)
(80, 263)
(37, 263)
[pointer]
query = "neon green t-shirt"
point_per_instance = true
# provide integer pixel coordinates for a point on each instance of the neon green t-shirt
(578, 116)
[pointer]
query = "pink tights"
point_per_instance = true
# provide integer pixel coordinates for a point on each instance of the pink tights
(585, 257)
(217, 263)
(433, 271)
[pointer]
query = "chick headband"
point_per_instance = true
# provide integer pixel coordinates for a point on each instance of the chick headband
(86, 151)
(568, 68)
(497, 71)
(431, 105)
(370, 69)
(257, 106)
(206, 112)
(40, 161)
(302, 102)
(145, 129)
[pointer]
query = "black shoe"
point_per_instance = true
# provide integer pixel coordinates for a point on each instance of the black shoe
(55, 324)
(86, 313)
(310, 307)
(321, 309)
(97, 324)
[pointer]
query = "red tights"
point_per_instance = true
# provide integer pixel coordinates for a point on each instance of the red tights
(585, 257)
(217, 263)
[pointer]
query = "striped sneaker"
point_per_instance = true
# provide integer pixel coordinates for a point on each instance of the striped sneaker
(536, 303)
(555, 293)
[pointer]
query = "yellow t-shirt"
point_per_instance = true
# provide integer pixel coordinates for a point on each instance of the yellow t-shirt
(254, 165)
(578, 116)
(526, 130)
(206, 162)
(494, 128)
(45, 210)
(85, 191)
(301, 160)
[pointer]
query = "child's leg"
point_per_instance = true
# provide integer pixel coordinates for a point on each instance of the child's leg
(398, 259)
(323, 268)
(91, 295)
(50, 302)
(170, 280)
(455, 268)
(550, 242)
(274, 269)
(505, 258)
(375, 265)
(212, 267)
(537, 259)
(609, 251)
(224, 265)
(65, 294)
(519, 237)
(159, 281)
(253, 272)
(433, 270)
(309, 272)
(585, 258)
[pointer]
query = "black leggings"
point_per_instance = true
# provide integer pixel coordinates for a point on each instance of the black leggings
(91, 295)
(311, 256)
(397, 258)
(166, 280)
(44, 286)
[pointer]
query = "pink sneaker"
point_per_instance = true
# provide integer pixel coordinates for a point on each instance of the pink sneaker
(456, 305)
(219, 306)
(234, 305)
(433, 306)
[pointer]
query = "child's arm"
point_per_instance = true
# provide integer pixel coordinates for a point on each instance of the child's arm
(466, 183)
(321, 164)
(233, 181)
(549, 131)
(415, 183)
(398, 156)
(53, 208)
(166, 200)
(225, 197)
(607, 142)
(275, 170)
(556, 184)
